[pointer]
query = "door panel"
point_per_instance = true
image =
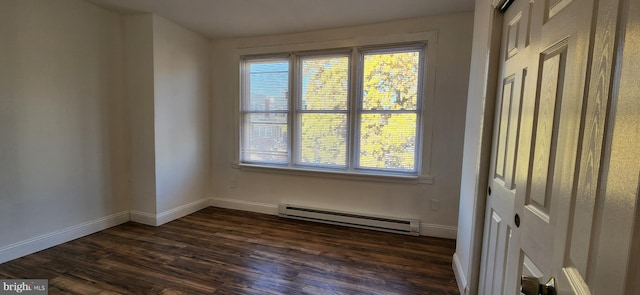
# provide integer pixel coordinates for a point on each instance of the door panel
(499, 260)
(561, 32)
(548, 101)
(499, 236)
(537, 149)
(508, 126)
(582, 226)
(558, 134)
(513, 34)
(553, 7)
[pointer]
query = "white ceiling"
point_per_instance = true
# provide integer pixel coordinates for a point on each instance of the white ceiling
(240, 18)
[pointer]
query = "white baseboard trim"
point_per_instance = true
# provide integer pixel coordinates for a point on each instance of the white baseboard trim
(245, 206)
(461, 279)
(182, 211)
(438, 231)
(142, 217)
(169, 215)
(64, 235)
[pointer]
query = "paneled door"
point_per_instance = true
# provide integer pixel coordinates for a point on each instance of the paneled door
(548, 140)
(499, 268)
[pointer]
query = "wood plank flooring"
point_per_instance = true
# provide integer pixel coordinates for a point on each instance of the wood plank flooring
(221, 251)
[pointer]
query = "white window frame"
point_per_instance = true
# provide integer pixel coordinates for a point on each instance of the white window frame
(357, 47)
(296, 160)
(359, 100)
(245, 103)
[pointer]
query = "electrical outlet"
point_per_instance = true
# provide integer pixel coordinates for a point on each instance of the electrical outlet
(435, 205)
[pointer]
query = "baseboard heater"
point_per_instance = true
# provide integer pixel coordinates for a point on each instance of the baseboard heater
(379, 223)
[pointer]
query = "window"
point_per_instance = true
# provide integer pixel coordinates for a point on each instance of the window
(354, 111)
(266, 112)
(323, 111)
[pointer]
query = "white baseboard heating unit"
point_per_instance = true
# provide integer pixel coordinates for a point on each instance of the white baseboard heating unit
(379, 223)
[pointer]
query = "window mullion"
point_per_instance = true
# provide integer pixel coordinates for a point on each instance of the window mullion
(420, 115)
(266, 112)
(293, 119)
(354, 109)
(321, 112)
(389, 111)
(245, 86)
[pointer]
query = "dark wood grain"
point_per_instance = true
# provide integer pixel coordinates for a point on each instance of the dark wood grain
(221, 251)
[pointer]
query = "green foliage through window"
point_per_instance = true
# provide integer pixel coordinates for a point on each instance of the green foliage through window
(367, 122)
(323, 113)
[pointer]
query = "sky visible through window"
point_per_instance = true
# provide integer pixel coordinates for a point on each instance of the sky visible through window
(269, 82)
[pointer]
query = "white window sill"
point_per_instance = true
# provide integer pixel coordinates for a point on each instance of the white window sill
(361, 176)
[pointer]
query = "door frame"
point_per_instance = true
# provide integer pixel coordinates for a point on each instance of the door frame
(483, 97)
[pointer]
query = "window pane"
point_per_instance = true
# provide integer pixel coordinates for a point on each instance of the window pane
(323, 139)
(390, 81)
(388, 141)
(325, 83)
(268, 85)
(265, 138)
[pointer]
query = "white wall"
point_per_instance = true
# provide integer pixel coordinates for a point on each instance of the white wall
(168, 90)
(262, 191)
(138, 31)
(101, 115)
(63, 142)
(182, 132)
(477, 149)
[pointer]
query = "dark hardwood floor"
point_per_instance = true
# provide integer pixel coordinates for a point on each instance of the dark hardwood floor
(221, 251)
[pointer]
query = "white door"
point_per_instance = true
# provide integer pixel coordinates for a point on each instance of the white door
(544, 205)
(552, 147)
(495, 278)
(499, 270)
